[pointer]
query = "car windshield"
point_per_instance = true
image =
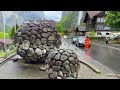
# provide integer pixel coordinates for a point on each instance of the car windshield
(82, 39)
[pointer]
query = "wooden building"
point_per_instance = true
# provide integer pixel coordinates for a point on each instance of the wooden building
(95, 21)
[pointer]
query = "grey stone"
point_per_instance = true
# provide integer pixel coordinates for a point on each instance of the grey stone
(63, 57)
(59, 77)
(42, 68)
(66, 53)
(26, 45)
(32, 38)
(25, 27)
(44, 29)
(34, 46)
(43, 40)
(75, 75)
(45, 35)
(60, 73)
(19, 34)
(72, 67)
(38, 42)
(55, 74)
(33, 28)
(29, 54)
(55, 51)
(50, 70)
(31, 24)
(57, 57)
(67, 68)
(61, 51)
(38, 36)
(31, 51)
(69, 77)
(25, 37)
(70, 51)
(44, 51)
(76, 68)
(69, 74)
(74, 56)
(38, 51)
(51, 55)
(66, 63)
(51, 63)
(17, 45)
(56, 68)
(34, 32)
(72, 60)
(63, 70)
(51, 76)
(51, 37)
(27, 33)
(58, 63)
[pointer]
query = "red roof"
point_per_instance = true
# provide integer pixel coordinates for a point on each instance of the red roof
(7, 41)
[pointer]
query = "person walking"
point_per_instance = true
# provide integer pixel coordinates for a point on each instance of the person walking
(86, 43)
(107, 40)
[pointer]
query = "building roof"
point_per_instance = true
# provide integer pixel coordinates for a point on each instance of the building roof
(90, 14)
(81, 28)
(93, 13)
(8, 41)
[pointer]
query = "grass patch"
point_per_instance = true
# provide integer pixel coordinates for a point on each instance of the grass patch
(9, 51)
(2, 54)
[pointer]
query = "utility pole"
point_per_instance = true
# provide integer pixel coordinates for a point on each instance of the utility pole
(3, 13)
(16, 17)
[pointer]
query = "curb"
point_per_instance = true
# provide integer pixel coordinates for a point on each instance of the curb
(7, 59)
(91, 66)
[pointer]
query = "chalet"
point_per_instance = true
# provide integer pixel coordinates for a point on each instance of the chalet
(7, 43)
(95, 21)
(80, 30)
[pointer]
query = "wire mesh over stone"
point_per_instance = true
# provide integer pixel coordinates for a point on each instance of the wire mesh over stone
(63, 63)
(34, 40)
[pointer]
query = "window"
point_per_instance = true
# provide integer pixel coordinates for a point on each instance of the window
(98, 33)
(107, 33)
(98, 19)
(102, 19)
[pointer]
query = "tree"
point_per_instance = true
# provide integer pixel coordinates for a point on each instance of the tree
(112, 19)
(59, 28)
(68, 20)
(2, 35)
(12, 32)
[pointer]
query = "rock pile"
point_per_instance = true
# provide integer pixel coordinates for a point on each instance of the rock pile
(62, 63)
(34, 40)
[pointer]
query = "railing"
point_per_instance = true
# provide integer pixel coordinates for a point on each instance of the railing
(98, 39)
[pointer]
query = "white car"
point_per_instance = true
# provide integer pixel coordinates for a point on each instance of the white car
(74, 39)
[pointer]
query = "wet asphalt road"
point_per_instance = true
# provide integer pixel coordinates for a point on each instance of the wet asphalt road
(105, 56)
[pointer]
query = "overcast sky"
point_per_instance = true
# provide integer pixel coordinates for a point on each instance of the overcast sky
(56, 15)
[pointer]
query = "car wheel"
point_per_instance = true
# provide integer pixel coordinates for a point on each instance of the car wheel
(89, 45)
(77, 44)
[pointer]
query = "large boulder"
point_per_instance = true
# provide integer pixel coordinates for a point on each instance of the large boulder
(34, 40)
(64, 63)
